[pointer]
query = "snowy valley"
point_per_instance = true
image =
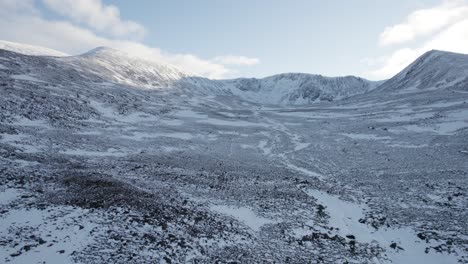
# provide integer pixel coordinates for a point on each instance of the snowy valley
(109, 158)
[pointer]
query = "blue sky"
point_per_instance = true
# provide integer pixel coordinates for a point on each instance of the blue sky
(256, 38)
(328, 37)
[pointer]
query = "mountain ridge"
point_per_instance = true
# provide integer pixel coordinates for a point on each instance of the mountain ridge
(298, 88)
(434, 69)
(31, 50)
(107, 167)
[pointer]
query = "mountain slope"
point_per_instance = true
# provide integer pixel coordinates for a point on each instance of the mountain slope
(120, 67)
(106, 158)
(298, 88)
(433, 70)
(30, 49)
(105, 65)
(282, 89)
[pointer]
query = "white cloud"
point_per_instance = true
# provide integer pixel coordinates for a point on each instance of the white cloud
(394, 63)
(452, 37)
(424, 22)
(373, 62)
(20, 21)
(93, 13)
(236, 60)
(25, 6)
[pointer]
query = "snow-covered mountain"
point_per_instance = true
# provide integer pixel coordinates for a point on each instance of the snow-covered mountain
(120, 67)
(298, 88)
(104, 64)
(433, 70)
(30, 49)
(108, 158)
(283, 89)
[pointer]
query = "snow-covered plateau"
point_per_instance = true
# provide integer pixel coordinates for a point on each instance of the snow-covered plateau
(108, 158)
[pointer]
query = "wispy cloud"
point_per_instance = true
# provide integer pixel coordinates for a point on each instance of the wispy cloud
(443, 27)
(93, 13)
(424, 22)
(21, 21)
(236, 60)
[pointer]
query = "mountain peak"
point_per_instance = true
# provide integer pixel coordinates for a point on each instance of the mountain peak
(298, 88)
(441, 52)
(104, 50)
(439, 59)
(433, 69)
(444, 57)
(31, 50)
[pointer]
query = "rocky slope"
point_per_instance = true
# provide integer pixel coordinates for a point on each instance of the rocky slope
(29, 49)
(432, 71)
(283, 89)
(298, 88)
(110, 159)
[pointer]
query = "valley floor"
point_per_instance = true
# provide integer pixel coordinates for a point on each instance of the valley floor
(109, 159)
(219, 180)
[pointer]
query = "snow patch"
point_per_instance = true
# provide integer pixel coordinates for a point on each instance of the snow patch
(170, 149)
(299, 169)
(263, 146)
(405, 118)
(59, 223)
(189, 114)
(315, 115)
(8, 195)
(20, 141)
(243, 214)
(143, 135)
(25, 77)
(105, 111)
(82, 152)
(219, 122)
(31, 123)
(365, 136)
(300, 146)
(345, 217)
